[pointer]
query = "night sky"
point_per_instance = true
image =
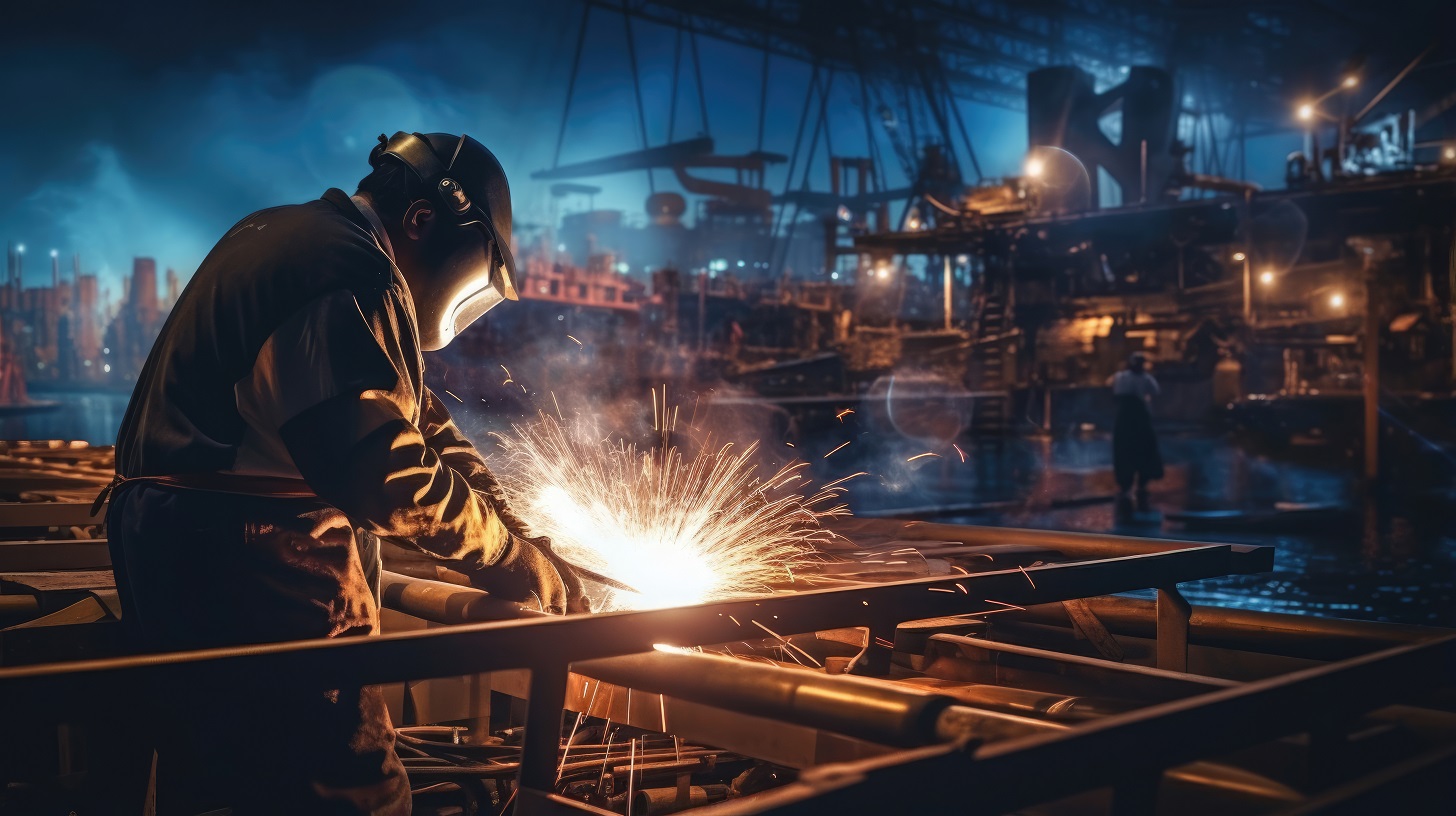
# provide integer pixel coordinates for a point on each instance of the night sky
(149, 132)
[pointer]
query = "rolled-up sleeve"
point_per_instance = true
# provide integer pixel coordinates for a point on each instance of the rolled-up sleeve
(329, 381)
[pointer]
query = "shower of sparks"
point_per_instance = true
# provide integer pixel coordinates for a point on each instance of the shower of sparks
(836, 450)
(1027, 574)
(958, 450)
(922, 456)
(842, 414)
(573, 339)
(681, 530)
(580, 715)
(452, 393)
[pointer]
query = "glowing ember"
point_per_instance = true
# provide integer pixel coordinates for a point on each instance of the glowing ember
(683, 531)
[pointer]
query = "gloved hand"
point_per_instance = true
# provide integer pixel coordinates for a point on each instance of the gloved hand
(488, 487)
(576, 599)
(526, 574)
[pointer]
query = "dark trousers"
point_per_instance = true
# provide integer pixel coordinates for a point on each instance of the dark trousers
(198, 569)
(1136, 458)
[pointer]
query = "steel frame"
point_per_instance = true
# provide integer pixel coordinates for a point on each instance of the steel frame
(1128, 752)
(547, 646)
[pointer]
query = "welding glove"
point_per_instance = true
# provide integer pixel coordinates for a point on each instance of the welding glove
(524, 573)
(576, 599)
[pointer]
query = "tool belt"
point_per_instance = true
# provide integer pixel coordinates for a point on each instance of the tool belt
(273, 487)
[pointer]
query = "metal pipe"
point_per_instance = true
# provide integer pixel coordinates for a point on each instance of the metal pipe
(863, 708)
(1032, 703)
(18, 609)
(1268, 632)
(654, 801)
(441, 602)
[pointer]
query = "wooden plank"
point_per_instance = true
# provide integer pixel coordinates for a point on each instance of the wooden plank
(34, 556)
(49, 514)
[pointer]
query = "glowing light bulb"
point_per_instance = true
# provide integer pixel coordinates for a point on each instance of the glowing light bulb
(1035, 167)
(1266, 277)
(1337, 300)
(1306, 112)
(1239, 257)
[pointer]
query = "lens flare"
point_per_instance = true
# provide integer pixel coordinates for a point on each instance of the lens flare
(681, 530)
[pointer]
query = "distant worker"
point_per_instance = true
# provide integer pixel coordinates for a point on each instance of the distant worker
(281, 425)
(1136, 459)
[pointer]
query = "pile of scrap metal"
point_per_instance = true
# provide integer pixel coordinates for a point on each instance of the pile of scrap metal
(921, 668)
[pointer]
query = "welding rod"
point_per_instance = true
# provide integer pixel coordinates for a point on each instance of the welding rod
(859, 707)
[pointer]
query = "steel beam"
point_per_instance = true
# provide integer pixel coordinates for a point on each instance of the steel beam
(537, 643)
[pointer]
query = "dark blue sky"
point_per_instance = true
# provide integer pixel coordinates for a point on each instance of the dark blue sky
(148, 133)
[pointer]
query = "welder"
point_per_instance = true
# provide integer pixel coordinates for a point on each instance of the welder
(280, 427)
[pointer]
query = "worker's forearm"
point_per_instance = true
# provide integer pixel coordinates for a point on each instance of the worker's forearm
(392, 483)
(459, 454)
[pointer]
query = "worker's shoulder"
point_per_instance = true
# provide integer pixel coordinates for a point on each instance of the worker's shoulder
(315, 239)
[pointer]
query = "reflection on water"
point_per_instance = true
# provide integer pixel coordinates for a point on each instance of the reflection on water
(87, 416)
(1393, 562)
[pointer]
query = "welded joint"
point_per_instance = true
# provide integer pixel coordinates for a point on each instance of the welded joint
(1174, 613)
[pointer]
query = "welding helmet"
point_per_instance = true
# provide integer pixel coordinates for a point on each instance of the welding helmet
(477, 271)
